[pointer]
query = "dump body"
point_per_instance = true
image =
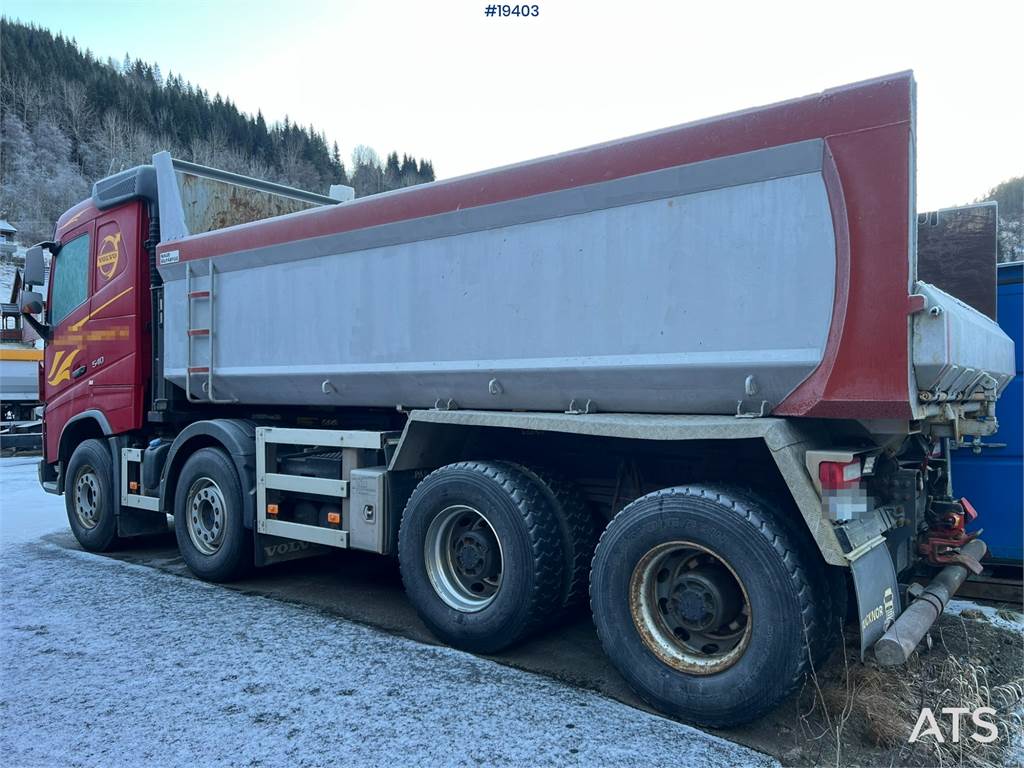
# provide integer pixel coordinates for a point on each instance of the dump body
(762, 261)
(654, 304)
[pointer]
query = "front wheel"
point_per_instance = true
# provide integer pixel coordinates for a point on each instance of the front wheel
(702, 600)
(208, 520)
(89, 496)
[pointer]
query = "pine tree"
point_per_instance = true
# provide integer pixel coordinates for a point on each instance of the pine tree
(392, 172)
(79, 118)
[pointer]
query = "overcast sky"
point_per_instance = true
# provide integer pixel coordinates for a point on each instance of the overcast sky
(441, 80)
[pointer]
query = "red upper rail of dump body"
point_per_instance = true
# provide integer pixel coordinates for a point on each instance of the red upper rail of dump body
(868, 171)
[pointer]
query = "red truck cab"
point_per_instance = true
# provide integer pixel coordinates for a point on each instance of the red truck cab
(97, 363)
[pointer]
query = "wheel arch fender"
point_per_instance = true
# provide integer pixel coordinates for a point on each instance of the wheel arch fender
(87, 425)
(235, 436)
(433, 438)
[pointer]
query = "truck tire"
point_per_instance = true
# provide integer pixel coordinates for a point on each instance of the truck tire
(827, 581)
(208, 521)
(701, 598)
(578, 529)
(481, 555)
(89, 496)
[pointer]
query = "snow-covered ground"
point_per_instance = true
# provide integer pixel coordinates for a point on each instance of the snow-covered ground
(105, 663)
(1011, 620)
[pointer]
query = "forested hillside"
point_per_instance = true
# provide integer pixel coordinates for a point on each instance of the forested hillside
(69, 119)
(1010, 196)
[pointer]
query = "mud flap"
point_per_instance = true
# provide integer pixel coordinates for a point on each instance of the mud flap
(878, 594)
(274, 549)
(140, 522)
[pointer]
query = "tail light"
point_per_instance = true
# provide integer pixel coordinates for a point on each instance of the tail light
(842, 494)
(837, 476)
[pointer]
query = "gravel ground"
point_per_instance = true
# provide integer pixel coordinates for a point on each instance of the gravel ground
(108, 663)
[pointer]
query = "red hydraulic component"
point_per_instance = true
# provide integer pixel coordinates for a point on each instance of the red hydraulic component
(946, 536)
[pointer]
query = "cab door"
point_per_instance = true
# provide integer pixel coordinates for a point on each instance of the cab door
(116, 336)
(65, 363)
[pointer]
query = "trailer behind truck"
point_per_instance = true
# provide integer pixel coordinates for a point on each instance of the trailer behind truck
(688, 377)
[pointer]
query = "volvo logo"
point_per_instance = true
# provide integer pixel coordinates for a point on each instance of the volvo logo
(273, 550)
(107, 258)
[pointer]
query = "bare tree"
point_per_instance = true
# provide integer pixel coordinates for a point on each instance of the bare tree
(77, 115)
(112, 137)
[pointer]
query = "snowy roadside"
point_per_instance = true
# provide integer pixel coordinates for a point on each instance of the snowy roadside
(1011, 620)
(108, 663)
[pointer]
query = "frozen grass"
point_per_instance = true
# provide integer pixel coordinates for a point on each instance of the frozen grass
(884, 704)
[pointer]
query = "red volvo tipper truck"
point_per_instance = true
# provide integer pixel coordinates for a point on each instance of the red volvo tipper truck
(690, 376)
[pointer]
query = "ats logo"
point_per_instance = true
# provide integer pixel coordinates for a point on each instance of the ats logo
(109, 253)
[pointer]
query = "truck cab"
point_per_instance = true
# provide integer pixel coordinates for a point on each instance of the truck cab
(97, 366)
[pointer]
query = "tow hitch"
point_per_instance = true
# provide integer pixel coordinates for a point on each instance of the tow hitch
(909, 629)
(946, 538)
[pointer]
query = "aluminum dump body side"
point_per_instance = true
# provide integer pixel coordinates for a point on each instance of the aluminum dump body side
(764, 258)
(533, 304)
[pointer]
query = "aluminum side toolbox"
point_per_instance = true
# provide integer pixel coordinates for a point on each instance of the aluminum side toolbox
(959, 354)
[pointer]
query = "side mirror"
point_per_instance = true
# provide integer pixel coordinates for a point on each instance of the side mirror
(31, 303)
(35, 269)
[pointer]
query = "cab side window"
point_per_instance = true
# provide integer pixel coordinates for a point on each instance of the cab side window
(70, 278)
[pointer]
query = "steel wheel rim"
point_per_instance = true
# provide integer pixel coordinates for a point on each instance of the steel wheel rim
(206, 516)
(463, 558)
(690, 608)
(87, 497)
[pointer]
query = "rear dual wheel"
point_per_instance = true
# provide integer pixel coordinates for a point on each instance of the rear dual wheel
(463, 558)
(489, 552)
(690, 608)
(709, 603)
